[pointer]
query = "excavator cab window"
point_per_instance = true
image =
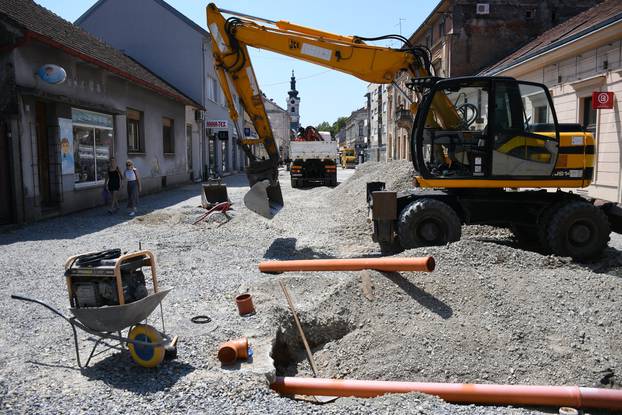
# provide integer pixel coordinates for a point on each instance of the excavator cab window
(486, 127)
(454, 133)
(525, 138)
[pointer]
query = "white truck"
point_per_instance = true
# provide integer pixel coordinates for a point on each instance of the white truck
(313, 162)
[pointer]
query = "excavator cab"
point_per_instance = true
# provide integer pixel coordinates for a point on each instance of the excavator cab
(475, 129)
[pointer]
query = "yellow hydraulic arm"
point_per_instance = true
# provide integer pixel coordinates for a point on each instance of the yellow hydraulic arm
(348, 54)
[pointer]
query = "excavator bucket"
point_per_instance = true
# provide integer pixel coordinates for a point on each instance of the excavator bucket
(264, 198)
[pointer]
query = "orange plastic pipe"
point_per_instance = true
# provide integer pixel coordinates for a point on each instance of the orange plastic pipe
(574, 396)
(350, 264)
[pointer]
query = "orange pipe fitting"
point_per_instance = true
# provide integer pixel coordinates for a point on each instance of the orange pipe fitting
(425, 264)
(574, 396)
(233, 350)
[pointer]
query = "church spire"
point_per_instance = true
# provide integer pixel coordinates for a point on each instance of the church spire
(292, 83)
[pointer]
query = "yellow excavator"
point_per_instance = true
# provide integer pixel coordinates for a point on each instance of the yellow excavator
(475, 143)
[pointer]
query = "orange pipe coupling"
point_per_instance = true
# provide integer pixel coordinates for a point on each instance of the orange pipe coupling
(573, 396)
(426, 264)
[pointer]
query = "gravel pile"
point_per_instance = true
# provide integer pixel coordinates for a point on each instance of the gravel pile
(489, 313)
(349, 202)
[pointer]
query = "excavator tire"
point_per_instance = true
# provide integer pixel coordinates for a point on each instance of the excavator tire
(390, 248)
(579, 230)
(526, 236)
(543, 226)
(428, 222)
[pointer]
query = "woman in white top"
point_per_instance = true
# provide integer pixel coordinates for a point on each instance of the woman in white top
(133, 186)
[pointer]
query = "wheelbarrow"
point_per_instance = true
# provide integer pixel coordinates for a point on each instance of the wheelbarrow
(147, 346)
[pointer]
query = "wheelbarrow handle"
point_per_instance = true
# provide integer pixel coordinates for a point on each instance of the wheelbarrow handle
(49, 307)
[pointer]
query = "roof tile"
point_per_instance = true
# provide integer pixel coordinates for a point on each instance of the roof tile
(54, 30)
(592, 17)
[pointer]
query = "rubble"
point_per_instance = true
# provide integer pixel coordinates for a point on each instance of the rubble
(489, 313)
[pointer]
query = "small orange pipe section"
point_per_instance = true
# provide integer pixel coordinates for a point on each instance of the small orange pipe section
(426, 264)
(574, 396)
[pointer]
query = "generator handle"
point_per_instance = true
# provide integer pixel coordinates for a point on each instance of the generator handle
(124, 258)
(49, 307)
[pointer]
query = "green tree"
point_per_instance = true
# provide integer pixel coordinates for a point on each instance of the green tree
(324, 126)
(338, 125)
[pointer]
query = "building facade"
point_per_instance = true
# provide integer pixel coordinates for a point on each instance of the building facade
(577, 59)
(356, 130)
(377, 104)
(179, 51)
(466, 36)
(281, 122)
(58, 136)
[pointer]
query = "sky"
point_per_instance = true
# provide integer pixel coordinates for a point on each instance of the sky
(325, 94)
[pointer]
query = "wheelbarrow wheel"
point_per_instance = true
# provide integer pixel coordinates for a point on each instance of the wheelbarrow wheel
(146, 356)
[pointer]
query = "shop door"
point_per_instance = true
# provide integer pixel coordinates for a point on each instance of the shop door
(189, 148)
(6, 201)
(43, 155)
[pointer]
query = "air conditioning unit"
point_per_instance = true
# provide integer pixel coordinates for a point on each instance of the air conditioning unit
(482, 8)
(199, 115)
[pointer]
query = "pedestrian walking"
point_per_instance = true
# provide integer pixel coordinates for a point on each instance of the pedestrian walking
(113, 184)
(133, 187)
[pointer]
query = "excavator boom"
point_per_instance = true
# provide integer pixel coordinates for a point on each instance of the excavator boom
(348, 54)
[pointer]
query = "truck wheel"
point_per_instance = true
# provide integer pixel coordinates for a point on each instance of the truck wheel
(578, 230)
(428, 222)
(294, 183)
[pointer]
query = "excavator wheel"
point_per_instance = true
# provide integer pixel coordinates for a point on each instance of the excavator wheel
(579, 230)
(428, 222)
(526, 236)
(543, 226)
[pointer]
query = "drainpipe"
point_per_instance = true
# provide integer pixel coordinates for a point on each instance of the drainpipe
(202, 145)
(573, 396)
(425, 264)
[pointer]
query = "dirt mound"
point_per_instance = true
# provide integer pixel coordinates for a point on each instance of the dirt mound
(487, 314)
(348, 200)
(397, 175)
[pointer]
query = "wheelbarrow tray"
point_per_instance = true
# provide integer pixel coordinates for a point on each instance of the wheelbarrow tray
(118, 317)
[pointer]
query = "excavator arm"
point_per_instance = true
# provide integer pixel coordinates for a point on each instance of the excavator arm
(348, 54)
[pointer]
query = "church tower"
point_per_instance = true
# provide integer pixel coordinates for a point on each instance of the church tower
(293, 105)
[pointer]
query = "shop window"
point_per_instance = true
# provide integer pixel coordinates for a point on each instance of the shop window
(92, 145)
(135, 135)
(168, 135)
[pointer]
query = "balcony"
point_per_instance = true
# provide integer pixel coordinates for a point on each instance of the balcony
(404, 118)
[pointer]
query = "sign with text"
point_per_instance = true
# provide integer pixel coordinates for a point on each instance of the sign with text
(602, 100)
(217, 124)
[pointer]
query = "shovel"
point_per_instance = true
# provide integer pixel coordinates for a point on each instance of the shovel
(264, 198)
(290, 303)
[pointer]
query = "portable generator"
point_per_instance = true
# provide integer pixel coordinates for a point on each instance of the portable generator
(100, 279)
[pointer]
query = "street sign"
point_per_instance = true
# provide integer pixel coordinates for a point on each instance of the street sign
(247, 132)
(223, 135)
(217, 124)
(602, 100)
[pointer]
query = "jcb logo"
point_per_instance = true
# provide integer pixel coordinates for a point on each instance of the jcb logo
(294, 45)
